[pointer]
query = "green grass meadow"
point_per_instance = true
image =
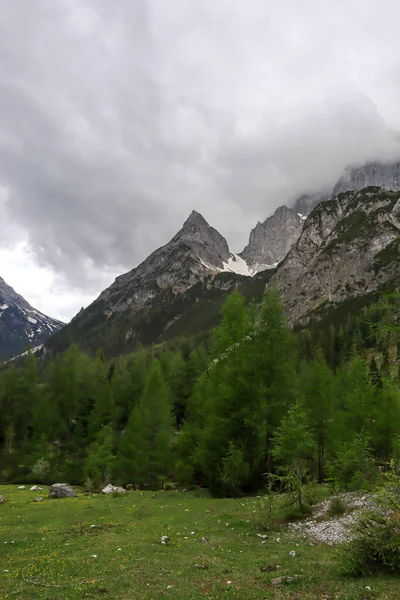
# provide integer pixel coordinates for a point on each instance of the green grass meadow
(50, 550)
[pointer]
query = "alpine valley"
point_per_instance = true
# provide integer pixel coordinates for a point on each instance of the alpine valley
(343, 245)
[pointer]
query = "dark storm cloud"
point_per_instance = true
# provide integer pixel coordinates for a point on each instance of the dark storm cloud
(117, 118)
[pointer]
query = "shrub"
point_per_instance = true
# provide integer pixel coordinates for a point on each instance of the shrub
(88, 486)
(337, 507)
(41, 470)
(375, 546)
(295, 512)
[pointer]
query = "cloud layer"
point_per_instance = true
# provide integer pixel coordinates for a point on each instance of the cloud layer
(118, 118)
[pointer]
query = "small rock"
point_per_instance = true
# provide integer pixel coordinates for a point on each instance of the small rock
(292, 553)
(197, 566)
(38, 499)
(263, 537)
(203, 539)
(94, 555)
(21, 487)
(2, 500)
(35, 488)
(276, 580)
(61, 490)
(164, 539)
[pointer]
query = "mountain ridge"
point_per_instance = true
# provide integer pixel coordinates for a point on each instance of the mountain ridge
(21, 325)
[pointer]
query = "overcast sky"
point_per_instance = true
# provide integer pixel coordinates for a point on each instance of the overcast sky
(117, 118)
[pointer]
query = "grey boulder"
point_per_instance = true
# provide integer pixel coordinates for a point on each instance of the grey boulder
(61, 490)
(110, 489)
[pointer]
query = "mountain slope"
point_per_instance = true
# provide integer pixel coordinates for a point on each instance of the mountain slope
(146, 305)
(349, 247)
(21, 325)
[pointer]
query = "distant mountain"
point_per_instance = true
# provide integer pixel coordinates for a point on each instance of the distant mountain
(21, 325)
(349, 248)
(383, 175)
(145, 304)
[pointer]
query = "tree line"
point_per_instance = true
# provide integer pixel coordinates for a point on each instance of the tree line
(259, 403)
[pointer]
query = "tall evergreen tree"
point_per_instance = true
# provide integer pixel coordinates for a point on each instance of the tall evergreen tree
(145, 451)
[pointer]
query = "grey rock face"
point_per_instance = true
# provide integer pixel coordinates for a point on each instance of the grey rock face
(270, 241)
(386, 176)
(21, 325)
(383, 175)
(349, 247)
(61, 490)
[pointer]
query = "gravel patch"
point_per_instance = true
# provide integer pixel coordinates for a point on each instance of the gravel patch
(334, 530)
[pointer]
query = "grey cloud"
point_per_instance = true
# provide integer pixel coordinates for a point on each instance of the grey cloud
(118, 118)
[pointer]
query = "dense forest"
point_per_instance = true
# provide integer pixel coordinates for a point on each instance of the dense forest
(256, 404)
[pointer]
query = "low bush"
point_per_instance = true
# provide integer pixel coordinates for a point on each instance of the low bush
(375, 546)
(337, 507)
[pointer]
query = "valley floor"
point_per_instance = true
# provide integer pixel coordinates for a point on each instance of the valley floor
(97, 546)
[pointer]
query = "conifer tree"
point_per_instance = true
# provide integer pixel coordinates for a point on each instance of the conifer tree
(145, 450)
(293, 445)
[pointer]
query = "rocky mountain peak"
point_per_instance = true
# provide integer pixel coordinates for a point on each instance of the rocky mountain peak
(195, 219)
(206, 242)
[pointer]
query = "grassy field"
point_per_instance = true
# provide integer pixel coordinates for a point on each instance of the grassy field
(51, 550)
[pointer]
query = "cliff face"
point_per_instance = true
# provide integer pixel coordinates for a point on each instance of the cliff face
(270, 241)
(349, 247)
(385, 176)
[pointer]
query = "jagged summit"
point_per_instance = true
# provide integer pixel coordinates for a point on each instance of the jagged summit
(21, 325)
(211, 246)
(195, 219)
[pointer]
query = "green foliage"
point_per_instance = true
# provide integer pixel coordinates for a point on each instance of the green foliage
(375, 546)
(100, 457)
(354, 466)
(145, 451)
(262, 403)
(293, 445)
(337, 507)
